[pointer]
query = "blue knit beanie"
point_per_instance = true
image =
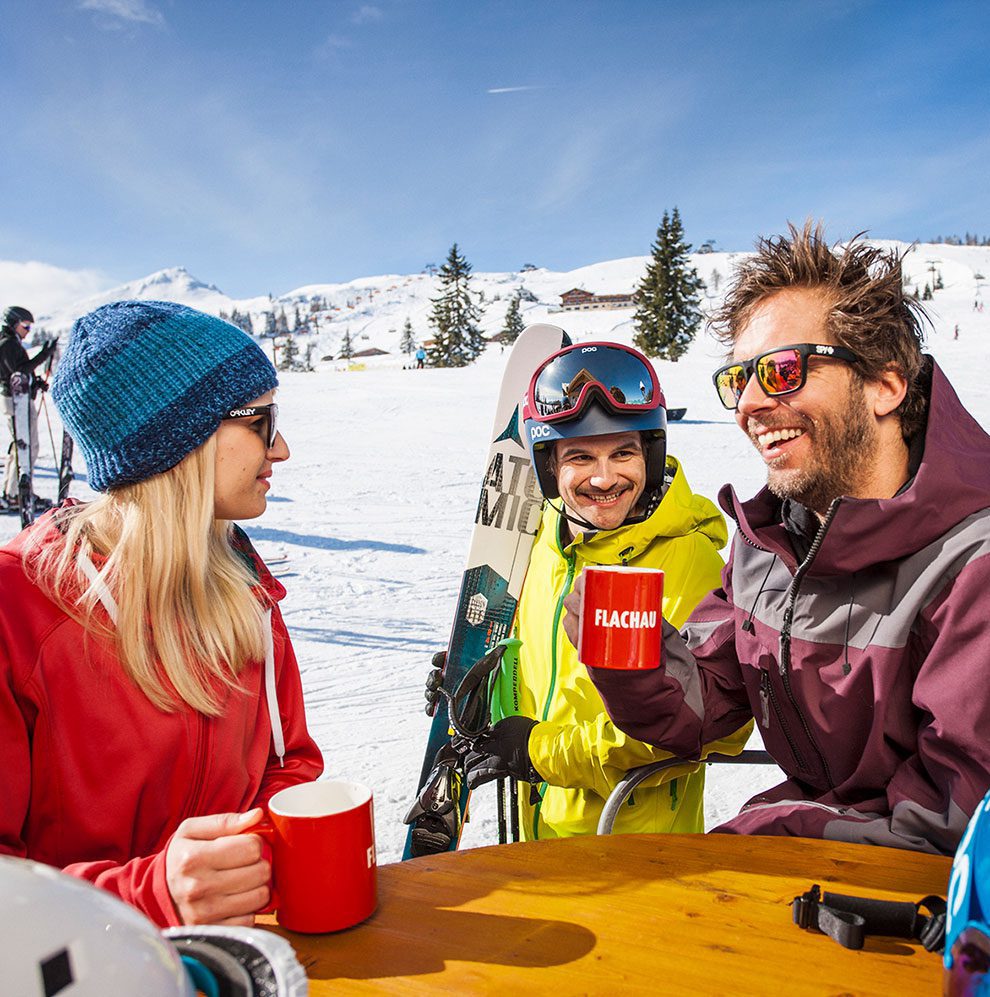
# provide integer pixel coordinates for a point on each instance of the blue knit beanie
(144, 383)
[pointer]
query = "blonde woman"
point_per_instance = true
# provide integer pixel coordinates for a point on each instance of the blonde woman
(150, 700)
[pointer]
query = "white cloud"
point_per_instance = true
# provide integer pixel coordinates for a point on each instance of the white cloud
(512, 89)
(333, 44)
(43, 288)
(366, 14)
(137, 11)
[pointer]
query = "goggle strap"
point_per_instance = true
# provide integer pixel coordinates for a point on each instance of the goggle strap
(848, 919)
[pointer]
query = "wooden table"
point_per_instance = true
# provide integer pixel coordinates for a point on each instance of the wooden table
(706, 914)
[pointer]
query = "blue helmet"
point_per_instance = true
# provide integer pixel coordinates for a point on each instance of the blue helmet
(595, 389)
(967, 932)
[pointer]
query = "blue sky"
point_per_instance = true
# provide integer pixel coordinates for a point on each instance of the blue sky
(269, 145)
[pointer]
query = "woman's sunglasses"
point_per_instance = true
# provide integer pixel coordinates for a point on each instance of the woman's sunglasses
(267, 425)
(778, 372)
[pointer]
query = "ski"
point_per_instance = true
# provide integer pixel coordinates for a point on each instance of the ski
(20, 390)
(506, 520)
(65, 475)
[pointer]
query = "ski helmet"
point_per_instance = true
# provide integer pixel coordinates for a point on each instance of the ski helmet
(60, 932)
(14, 314)
(967, 927)
(595, 389)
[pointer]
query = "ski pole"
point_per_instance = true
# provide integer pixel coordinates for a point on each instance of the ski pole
(514, 808)
(51, 436)
(500, 800)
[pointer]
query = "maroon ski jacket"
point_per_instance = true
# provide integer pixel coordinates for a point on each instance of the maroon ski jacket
(865, 661)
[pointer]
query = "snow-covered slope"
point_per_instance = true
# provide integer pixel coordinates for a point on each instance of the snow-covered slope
(374, 309)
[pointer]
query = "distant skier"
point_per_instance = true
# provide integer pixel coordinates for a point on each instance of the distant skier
(17, 323)
(420, 358)
(613, 496)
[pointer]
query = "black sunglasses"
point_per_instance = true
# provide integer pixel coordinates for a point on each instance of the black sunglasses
(266, 428)
(778, 372)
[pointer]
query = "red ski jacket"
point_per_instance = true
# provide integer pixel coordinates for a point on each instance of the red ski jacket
(94, 779)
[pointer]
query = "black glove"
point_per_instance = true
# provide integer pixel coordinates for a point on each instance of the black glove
(501, 754)
(433, 682)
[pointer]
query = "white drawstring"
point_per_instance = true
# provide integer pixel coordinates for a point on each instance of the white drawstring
(271, 694)
(87, 567)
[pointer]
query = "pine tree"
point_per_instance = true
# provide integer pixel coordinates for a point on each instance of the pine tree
(513, 320)
(668, 310)
(347, 346)
(281, 323)
(408, 342)
(290, 354)
(457, 340)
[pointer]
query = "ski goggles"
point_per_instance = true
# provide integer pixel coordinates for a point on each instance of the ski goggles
(967, 931)
(619, 375)
(778, 372)
(266, 427)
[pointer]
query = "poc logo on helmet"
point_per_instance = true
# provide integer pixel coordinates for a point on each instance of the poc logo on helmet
(825, 349)
(589, 349)
(536, 432)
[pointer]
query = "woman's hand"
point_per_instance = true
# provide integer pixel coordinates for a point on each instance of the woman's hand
(216, 872)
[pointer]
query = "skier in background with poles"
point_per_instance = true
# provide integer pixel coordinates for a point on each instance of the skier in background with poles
(17, 323)
(595, 421)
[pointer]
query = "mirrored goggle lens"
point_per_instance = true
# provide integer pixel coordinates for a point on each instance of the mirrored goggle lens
(731, 383)
(624, 377)
(968, 976)
(780, 371)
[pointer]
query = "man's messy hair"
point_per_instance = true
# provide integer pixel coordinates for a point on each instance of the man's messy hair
(869, 312)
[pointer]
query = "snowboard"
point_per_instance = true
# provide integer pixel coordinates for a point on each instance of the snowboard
(505, 525)
(20, 390)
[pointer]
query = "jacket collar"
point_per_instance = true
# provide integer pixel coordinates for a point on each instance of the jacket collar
(679, 513)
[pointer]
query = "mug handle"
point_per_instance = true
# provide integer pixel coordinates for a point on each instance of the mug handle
(265, 830)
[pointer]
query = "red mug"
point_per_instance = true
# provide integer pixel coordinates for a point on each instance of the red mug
(324, 870)
(621, 617)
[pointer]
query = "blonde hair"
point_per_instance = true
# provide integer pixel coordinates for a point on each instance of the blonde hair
(187, 621)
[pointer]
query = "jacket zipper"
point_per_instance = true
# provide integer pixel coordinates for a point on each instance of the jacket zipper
(568, 581)
(784, 665)
(768, 699)
(199, 766)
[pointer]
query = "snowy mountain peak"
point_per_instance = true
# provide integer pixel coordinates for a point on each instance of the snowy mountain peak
(175, 277)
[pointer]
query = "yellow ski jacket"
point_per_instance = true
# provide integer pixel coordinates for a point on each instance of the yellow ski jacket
(575, 747)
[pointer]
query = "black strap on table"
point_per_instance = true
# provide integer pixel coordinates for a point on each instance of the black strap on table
(850, 919)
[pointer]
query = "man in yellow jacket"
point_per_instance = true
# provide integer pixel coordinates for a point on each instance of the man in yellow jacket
(596, 424)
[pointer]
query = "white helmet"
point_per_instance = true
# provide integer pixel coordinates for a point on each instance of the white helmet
(61, 934)
(58, 933)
